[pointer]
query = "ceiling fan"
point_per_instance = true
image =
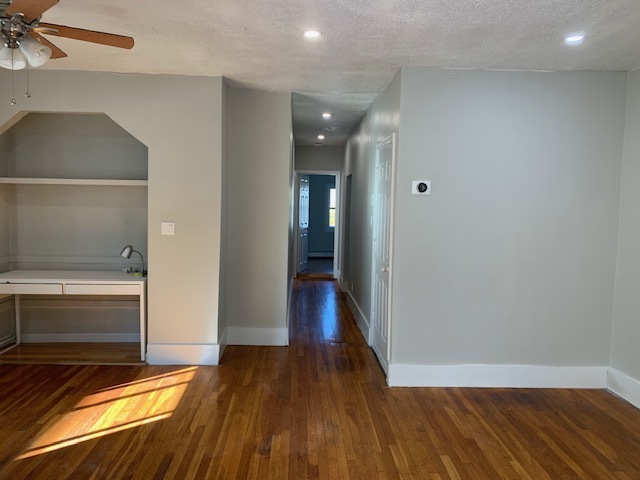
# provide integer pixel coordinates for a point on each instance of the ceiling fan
(21, 30)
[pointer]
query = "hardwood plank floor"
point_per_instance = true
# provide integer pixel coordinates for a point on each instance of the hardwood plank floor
(73, 353)
(317, 409)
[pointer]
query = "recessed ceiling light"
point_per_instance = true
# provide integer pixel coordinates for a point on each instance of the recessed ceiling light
(326, 115)
(574, 39)
(320, 137)
(311, 34)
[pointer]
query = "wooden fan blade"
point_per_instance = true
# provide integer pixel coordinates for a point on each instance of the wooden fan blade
(31, 9)
(55, 51)
(92, 36)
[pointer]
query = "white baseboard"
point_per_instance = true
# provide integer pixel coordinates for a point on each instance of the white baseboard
(361, 319)
(496, 376)
(624, 386)
(80, 338)
(183, 354)
(257, 336)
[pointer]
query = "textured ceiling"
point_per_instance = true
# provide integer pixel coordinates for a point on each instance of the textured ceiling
(259, 43)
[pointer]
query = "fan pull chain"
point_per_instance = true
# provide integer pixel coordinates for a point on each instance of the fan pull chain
(13, 83)
(27, 94)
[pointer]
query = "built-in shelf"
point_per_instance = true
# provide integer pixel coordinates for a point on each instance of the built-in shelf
(73, 181)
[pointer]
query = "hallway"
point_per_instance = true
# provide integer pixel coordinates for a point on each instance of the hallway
(319, 408)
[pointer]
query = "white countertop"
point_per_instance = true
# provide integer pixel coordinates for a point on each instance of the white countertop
(69, 276)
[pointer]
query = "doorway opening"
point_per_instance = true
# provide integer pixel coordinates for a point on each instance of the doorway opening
(317, 214)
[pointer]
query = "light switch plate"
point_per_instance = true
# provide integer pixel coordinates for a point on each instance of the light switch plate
(421, 187)
(168, 228)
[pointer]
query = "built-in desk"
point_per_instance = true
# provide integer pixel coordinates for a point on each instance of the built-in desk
(67, 282)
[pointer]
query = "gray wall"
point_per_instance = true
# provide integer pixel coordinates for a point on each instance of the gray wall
(5, 212)
(6, 301)
(321, 238)
(381, 120)
(319, 158)
(259, 208)
(511, 259)
(625, 354)
(4, 208)
(184, 185)
(7, 323)
(224, 215)
(291, 260)
(73, 146)
(55, 227)
(79, 227)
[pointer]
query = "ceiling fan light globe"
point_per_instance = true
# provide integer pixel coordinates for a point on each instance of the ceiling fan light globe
(15, 62)
(36, 53)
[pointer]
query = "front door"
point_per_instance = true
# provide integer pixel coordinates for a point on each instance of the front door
(303, 223)
(382, 209)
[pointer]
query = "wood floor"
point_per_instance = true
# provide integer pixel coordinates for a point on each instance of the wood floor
(73, 353)
(317, 409)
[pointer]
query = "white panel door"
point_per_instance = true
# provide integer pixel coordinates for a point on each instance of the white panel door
(303, 223)
(382, 223)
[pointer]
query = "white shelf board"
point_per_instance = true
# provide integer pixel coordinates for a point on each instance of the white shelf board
(73, 181)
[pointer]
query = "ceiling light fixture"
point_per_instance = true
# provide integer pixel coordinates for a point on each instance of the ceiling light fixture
(12, 58)
(15, 54)
(311, 34)
(19, 48)
(320, 137)
(326, 115)
(22, 46)
(574, 39)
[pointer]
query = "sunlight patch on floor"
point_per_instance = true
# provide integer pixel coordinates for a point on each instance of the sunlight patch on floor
(113, 409)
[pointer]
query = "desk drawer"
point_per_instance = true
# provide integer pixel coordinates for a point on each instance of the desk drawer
(92, 289)
(31, 288)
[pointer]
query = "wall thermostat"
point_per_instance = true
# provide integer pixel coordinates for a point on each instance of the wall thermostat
(421, 187)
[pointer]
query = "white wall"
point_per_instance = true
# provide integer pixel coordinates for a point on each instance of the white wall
(511, 259)
(625, 353)
(259, 216)
(179, 119)
(381, 120)
(319, 158)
